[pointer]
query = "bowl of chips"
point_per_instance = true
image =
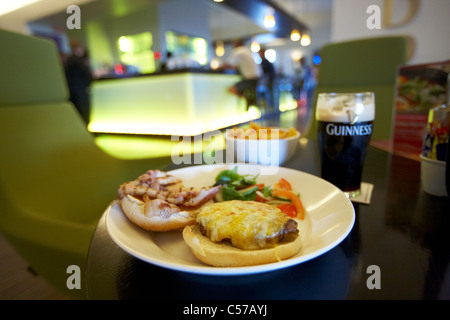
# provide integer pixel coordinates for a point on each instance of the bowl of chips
(262, 145)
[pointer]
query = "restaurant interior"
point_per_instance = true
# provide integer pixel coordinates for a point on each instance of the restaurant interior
(158, 80)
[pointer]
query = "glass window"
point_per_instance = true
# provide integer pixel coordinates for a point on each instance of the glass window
(190, 49)
(135, 52)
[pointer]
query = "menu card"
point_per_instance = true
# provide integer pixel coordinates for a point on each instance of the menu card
(419, 88)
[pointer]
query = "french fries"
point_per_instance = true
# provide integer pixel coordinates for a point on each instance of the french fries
(258, 132)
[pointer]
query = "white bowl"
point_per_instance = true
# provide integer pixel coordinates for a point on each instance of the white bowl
(272, 152)
(432, 175)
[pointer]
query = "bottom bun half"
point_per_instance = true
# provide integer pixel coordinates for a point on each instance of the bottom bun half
(135, 210)
(225, 255)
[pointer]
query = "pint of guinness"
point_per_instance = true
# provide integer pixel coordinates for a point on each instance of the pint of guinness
(345, 125)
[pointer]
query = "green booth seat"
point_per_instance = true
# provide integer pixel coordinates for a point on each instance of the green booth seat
(360, 65)
(55, 182)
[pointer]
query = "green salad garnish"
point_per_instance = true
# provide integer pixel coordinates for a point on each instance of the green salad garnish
(236, 186)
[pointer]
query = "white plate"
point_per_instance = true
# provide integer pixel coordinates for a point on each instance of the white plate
(329, 218)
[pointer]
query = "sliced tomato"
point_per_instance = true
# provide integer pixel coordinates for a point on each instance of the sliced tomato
(295, 200)
(260, 199)
(289, 209)
(283, 184)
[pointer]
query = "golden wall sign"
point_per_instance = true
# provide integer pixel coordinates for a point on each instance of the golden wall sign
(413, 7)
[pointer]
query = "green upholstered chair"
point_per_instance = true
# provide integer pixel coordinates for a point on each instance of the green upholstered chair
(365, 65)
(55, 182)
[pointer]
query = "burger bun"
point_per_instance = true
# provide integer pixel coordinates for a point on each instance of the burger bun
(225, 255)
(137, 213)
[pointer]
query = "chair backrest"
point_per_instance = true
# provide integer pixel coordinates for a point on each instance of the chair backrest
(54, 181)
(365, 65)
(46, 149)
(30, 72)
(50, 161)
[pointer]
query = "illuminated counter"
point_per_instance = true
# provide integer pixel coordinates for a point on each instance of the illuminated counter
(177, 103)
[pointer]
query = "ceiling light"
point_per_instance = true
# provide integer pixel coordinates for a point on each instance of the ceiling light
(269, 19)
(255, 47)
(306, 40)
(9, 6)
(215, 63)
(124, 44)
(295, 35)
(220, 49)
(271, 55)
(296, 55)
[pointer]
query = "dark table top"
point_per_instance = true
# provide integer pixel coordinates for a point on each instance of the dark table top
(401, 241)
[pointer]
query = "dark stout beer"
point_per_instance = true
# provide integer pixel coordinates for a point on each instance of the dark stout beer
(344, 127)
(343, 148)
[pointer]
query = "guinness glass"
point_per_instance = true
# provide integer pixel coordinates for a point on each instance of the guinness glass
(344, 124)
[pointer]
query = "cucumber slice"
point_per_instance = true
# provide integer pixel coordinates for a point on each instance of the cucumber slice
(247, 191)
(277, 202)
(282, 199)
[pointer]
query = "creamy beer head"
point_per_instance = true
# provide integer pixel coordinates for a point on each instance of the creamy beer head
(345, 107)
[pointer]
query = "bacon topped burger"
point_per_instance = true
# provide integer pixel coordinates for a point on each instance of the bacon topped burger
(158, 201)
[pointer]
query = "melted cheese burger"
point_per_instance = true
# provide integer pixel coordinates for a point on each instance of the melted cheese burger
(242, 233)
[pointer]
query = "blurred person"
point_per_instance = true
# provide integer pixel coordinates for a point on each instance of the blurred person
(79, 78)
(267, 66)
(168, 63)
(305, 82)
(309, 80)
(241, 60)
(268, 78)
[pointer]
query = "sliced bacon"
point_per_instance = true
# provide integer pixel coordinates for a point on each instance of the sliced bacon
(203, 196)
(158, 207)
(164, 194)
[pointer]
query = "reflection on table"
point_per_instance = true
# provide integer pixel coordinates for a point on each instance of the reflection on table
(403, 232)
